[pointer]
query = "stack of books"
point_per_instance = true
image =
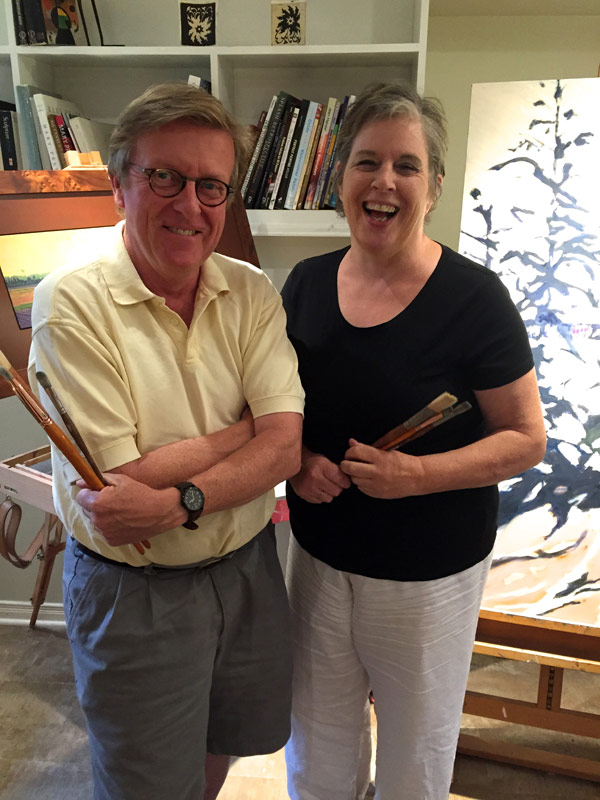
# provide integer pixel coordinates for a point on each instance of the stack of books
(294, 157)
(39, 22)
(51, 125)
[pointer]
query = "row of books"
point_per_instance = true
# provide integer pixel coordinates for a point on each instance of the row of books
(45, 129)
(48, 22)
(293, 162)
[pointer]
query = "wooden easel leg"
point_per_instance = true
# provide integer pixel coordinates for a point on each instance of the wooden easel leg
(49, 550)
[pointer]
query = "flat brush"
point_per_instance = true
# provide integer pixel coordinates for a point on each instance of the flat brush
(53, 431)
(426, 426)
(432, 409)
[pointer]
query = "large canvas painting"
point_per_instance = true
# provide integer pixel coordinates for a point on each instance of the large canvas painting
(531, 213)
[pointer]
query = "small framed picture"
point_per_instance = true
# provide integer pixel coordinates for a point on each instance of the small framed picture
(288, 22)
(198, 23)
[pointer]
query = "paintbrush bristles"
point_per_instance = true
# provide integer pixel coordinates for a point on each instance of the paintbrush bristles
(4, 362)
(43, 379)
(442, 402)
(6, 374)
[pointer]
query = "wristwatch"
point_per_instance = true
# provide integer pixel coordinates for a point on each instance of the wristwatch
(192, 499)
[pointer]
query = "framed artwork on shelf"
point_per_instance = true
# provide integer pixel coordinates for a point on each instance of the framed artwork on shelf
(198, 23)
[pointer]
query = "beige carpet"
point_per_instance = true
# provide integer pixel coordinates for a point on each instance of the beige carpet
(43, 753)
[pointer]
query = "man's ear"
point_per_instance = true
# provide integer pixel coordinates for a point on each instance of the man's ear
(117, 192)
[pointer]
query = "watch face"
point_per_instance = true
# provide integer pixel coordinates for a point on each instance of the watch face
(193, 498)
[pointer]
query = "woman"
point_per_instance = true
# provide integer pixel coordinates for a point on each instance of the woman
(391, 549)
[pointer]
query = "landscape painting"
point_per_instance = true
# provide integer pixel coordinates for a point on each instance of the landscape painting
(531, 213)
(25, 258)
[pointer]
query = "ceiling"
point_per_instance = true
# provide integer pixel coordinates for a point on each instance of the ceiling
(509, 8)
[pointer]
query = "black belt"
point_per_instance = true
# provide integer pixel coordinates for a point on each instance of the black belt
(81, 549)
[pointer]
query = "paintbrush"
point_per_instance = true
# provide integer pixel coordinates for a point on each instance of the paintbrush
(432, 409)
(69, 424)
(53, 431)
(424, 427)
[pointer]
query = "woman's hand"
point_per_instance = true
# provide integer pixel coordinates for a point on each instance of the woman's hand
(127, 511)
(384, 474)
(319, 479)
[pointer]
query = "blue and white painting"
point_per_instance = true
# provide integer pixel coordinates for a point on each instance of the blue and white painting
(531, 213)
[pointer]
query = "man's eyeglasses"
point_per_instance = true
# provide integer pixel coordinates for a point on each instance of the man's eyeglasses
(168, 183)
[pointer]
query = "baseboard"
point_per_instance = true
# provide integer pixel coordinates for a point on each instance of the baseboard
(19, 613)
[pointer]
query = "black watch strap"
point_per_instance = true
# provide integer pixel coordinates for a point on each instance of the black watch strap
(192, 499)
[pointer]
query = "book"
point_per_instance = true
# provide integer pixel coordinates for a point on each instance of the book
(90, 134)
(57, 142)
(290, 199)
(270, 126)
(291, 157)
(310, 156)
(284, 156)
(274, 163)
(19, 20)
(331, 113)
(66, 139)
(8, 140)
(45, 105)
(257, 147)
(29, 138)
(62, 23)
(326, 192)
(34, 22)
(201, 83)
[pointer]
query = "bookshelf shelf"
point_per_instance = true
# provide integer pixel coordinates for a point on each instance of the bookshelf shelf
(350, 45)
(297, 223)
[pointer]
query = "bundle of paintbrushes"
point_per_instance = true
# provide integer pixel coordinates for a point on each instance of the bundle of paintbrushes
(433, 414)
(81, 458)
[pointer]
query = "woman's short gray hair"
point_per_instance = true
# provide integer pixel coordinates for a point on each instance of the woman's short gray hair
(170, 102)
(383, 101)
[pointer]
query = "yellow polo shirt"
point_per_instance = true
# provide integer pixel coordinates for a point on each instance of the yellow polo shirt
(134, 378)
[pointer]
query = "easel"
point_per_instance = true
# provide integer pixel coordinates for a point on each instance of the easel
(19, 478)
(554, 646)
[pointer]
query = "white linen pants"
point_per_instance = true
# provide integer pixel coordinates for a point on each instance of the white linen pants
(408, 642)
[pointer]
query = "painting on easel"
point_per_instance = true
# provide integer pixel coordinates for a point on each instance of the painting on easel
(530, 212)
(25, 258)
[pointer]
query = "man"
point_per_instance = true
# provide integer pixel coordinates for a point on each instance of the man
(175, 365)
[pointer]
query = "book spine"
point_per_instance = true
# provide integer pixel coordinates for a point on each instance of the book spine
(34, 20)
(257, 148)
(320, 154)
(253, 191)
(65, 137)
(291, 159)
(310, 157)
(8, 143)
(20, 24)
(19, 144)
(284, 156)
(57, 142)
(47, 138)
(329, 194)
(300, 156)
(274, 160)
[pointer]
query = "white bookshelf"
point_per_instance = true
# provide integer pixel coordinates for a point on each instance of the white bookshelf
(349, 45)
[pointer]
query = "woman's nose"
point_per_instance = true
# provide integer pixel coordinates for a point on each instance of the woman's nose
(384, 177)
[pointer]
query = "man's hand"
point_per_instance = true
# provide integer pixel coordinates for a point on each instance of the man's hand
(127, 511)
(319, 479)
(382, 474)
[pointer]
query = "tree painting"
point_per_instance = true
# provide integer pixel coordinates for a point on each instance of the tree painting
(530, 212)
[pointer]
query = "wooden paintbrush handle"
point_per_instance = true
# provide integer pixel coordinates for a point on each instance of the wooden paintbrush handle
(68, 449)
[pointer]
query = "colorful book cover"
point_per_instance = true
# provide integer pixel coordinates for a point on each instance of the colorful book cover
(62, 22)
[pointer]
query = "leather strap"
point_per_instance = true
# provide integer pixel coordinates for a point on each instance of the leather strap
(10, 519)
